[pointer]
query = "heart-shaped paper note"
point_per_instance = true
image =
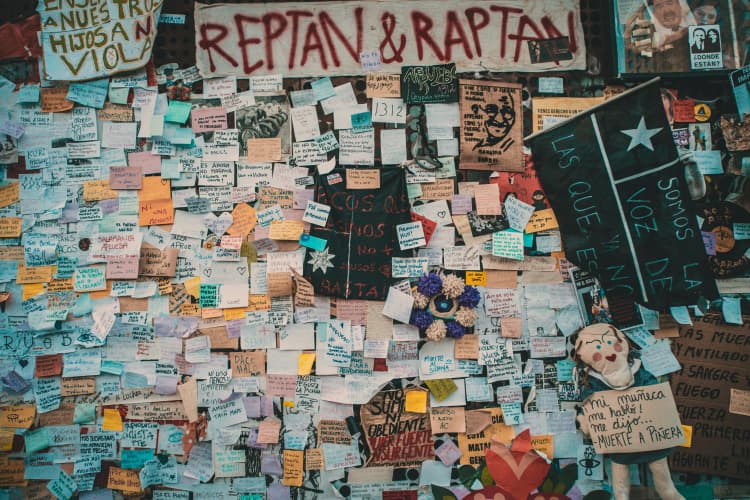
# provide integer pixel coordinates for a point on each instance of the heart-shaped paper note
(218, 225)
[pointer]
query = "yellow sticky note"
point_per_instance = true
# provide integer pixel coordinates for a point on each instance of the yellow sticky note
(234, 313)
(193, 286)
(416, 401)
(478, 278)
(688, 431)
(544, 443)
(112, 420)
(32, 290)
(306, 360)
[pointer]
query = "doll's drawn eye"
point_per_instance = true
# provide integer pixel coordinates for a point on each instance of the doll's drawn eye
(609, 342)
(599, 346)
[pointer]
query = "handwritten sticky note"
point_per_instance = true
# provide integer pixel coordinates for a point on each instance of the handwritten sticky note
(362, 178)
(709, 241)
(739, 402)
(416, 401)
(112, 420)
(508, 244)
(487, 197)
(410, 235)
(17, 416)
(542, 220)
(208, 119)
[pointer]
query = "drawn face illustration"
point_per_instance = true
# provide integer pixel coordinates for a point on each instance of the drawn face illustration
(605, 349)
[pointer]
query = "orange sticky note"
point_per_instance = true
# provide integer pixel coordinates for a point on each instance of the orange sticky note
(155, 188)
(416, 401)
(193, 286)
(112, 420)
(244, 218)
(155, 212)
(688, 431)
(264, 150)
(32, 290)
(306, 360)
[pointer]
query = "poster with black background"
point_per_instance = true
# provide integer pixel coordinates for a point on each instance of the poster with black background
(361, 236)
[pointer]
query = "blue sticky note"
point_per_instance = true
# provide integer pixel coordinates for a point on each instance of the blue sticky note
(181, 136)
(565, 369)
(92, 94)
(29, 93)
(119, 95)
(528, 240)
(313, 242)
(178, 111)
(681, 315)
(709, 162)
(730, 308)
(170, 168)
(135, 459)
(512, 414)
(362, 120)
(36, 440)
(323, 88)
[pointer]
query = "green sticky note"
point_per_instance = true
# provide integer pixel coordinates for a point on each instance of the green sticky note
(36, 440)
(178, 111)
(84, 413)
(441, 389)
(119, 95)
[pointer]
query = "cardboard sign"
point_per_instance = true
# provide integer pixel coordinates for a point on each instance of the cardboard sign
(714, 358)
(634, 420)
(396, 438)
(491, 126)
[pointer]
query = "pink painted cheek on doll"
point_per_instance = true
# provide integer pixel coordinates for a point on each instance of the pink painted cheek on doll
(618, 348)
(597, 356)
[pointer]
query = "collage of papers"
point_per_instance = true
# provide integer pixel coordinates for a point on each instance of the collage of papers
(206, 275)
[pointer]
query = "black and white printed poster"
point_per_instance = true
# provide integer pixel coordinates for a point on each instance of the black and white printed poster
(615, 181)
(705, 47)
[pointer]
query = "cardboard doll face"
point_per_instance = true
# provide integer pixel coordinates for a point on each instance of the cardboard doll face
(604, 348)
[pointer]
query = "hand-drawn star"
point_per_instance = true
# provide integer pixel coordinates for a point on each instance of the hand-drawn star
(641, 135)
(321, 261)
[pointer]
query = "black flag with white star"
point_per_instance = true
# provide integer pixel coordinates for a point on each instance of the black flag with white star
(360, 236)
(615, 181)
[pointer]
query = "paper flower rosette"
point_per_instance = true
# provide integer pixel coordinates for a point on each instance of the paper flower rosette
(444, 305)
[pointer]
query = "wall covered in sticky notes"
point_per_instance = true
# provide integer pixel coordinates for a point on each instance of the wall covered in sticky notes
(332, 261)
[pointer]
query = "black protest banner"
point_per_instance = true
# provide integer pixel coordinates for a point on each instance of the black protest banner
(360, 234)
(429, 84)
(715, 359)
(616, 184)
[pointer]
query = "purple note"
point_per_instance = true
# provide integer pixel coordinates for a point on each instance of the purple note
(461, 204)
(166, 385)
(234, 328)
(709, 241)
(252, 406)
(270, 464)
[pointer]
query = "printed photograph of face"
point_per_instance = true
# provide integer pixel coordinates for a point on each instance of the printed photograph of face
(671, 19)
